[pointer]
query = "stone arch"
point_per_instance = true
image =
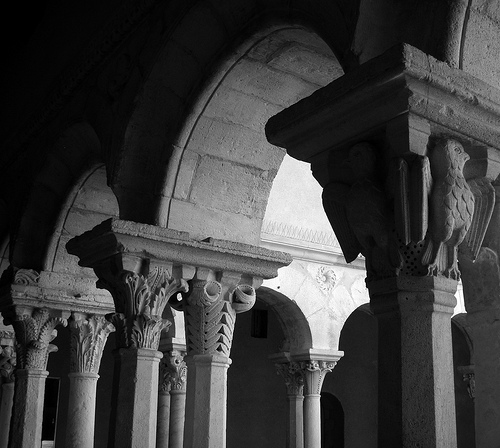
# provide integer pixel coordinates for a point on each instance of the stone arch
(186, 64)
(295, 327)
(75, 150)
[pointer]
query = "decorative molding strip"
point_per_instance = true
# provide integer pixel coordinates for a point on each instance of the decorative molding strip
(299, 233)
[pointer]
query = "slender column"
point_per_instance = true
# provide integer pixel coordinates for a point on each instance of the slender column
(314, 373)
(88, 338)
(210, 313)
(294, 382)
(171, 411)
(7, 365)
(34, 329)
(163, 415)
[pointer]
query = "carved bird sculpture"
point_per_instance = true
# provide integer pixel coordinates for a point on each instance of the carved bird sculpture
(360, 216)
(451, 208)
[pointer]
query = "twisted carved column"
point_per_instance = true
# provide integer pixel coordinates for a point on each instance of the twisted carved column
(210, 314)
(172, 399)
(294, 381)
(88, 338)
(34, 329)
(7, 366)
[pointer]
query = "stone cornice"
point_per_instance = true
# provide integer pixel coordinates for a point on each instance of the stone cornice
(160, 245)
(403, 84)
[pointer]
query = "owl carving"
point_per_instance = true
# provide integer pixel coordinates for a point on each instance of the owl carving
(451, 209)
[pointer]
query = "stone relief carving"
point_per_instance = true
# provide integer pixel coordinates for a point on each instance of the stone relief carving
(326, 278)
(293, 377)
(139, 302)
(415, 223)
(34, 330)
(26, 277)
(451, 207)
(88, 338)
(360, 214)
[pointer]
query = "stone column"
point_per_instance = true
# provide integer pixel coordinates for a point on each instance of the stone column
(314, 372)
(172, 407)
(7, 366)
(88, 338)
(210, 313)
(406, 184)
(34, 329)
(163, 414)
(294, 381)
(143, 266)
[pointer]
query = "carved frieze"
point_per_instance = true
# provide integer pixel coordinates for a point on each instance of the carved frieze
(34, 330)
(88, 338)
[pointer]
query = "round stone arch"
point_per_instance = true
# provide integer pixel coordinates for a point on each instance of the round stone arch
(73, 153)
(180, 82)
(294, 324)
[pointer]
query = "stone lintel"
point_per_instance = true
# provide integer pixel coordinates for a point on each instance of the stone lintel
(133, 242)
(403, 96)
(61, 293)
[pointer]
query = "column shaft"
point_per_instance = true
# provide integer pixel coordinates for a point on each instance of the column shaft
(312, 421)
(177, 415)
(27, 413)
(137, 400)
(295, 422)
(206, 401)
(81, 410)
(416, 396)
(6, 412)
(163, 420)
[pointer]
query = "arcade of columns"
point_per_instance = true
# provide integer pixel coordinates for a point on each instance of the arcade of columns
(406, 149)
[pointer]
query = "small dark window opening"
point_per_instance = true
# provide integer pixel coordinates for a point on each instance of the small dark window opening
(50, 409)
(259, 323)
(332, 422)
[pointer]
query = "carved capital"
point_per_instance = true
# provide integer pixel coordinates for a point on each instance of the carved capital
(173, 371)
(210, 313)
(139, 302)
(313, 372)
(88, 338)
(7, 356)
(34, 329)
(292, 374)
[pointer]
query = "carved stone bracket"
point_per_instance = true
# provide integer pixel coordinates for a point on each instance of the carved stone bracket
(34, 329)
(173, 371)
(88, 338)
(292, 374)
(7, 356)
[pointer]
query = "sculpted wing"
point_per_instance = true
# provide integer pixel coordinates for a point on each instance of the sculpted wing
(481, 210)
(334, 202)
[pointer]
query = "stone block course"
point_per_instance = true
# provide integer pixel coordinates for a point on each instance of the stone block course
(223, 185)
